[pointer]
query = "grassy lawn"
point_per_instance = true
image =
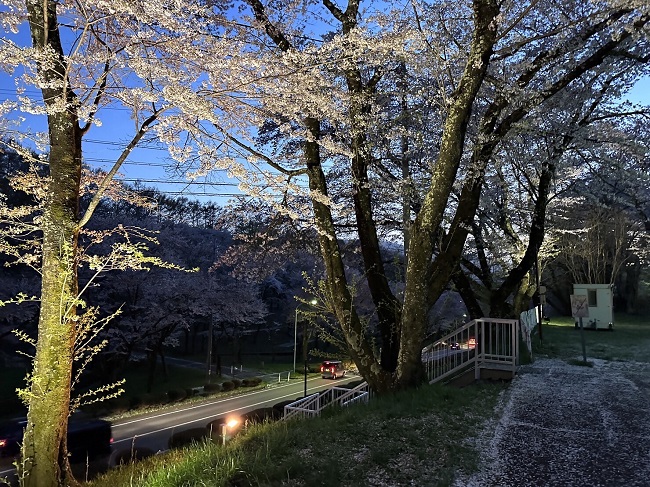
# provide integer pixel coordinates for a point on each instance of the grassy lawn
(177, 377)
(629, 341)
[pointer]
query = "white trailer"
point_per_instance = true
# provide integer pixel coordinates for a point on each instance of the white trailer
(601, 305)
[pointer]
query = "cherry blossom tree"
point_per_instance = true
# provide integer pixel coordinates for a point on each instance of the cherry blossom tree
(489, 68)
(86, 56)
(568, 145)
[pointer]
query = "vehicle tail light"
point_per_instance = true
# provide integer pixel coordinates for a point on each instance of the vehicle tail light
(111, 441)
(3, 442)
(322, 368)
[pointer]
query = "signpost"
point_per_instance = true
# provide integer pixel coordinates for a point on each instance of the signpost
(580, 309)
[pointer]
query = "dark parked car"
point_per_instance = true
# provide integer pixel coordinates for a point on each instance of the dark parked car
(87, 438)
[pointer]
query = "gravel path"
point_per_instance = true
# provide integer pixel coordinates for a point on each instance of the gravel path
(567, 425)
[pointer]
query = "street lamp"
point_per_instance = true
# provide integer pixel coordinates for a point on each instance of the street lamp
(295, 333)
(230, 424)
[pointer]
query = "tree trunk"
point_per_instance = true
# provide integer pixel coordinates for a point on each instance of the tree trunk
(467, 294)
(418, 280)
(339, 297)
(45, 460)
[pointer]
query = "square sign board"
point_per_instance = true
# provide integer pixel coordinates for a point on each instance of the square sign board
(579, 306)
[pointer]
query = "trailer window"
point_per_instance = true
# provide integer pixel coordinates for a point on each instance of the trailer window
(592, 297)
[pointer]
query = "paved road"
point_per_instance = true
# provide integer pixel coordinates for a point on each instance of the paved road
(152, 431)
(566, 425)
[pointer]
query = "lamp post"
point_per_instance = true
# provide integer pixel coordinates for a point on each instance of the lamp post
(295, 333)
(304, 352)
(229, 424)
(295, 339)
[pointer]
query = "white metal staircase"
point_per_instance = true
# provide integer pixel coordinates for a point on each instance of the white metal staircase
(483, 344)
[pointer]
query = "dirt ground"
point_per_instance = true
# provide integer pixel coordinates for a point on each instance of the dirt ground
(569, 425)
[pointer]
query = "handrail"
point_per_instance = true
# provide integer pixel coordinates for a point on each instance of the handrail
(312, 405)
(481, 343)
(304, 407)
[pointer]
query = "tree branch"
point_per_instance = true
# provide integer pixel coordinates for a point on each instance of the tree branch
(146, 125)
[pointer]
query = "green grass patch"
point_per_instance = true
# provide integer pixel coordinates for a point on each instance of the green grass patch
(629, 341)
(177, 377)
(416, 437)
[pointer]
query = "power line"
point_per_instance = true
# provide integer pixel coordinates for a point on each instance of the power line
(164, 181)
(208, 195)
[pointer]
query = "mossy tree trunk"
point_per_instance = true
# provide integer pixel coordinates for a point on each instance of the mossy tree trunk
(420, 281)
(45, 459)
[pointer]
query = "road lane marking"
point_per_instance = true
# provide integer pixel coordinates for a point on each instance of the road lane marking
(130, 438)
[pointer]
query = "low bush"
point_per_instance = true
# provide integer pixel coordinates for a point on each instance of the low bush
(135, 402)
(161, 398)
(261, 414)
(187, 437)
(120, 404)
(147, 399)
(227, 386)
(176, 395)
(236, 383)
(280, 405)
(251, 382)
(212, 388)
(214, 429)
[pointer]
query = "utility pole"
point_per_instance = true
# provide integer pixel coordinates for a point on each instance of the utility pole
(305, 343)
(211, 328)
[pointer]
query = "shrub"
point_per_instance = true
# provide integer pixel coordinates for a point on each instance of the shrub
(236, 383)
(187, 437)
(227, 386)
(135, 402)
(119, 405)
(251, 382)
(161, 398)
(149, 399)
(212, 388)
(262, 414)
(280, 405)
(176, 395)
(213, 429)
